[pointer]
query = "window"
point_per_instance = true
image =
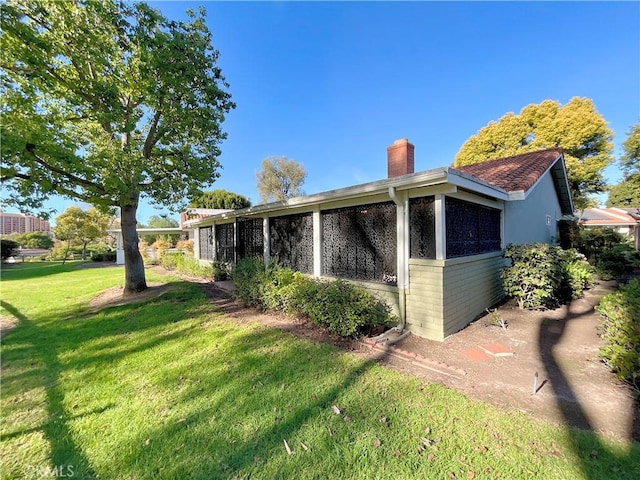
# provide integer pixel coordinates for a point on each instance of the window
(292, 241)
(224, 242)
(360, 242)
(250, 238)
(471, 228)
(422, 228)
(206, 243)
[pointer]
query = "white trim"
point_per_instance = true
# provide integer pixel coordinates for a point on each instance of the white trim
(441, 228)
(317, 242)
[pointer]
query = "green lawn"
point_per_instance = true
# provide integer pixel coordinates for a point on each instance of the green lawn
(172, 389)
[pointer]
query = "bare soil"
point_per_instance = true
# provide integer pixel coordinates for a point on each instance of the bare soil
(114, 297)
(573, 387)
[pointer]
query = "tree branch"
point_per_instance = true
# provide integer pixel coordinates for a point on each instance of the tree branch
(150, 141)
(30, 148)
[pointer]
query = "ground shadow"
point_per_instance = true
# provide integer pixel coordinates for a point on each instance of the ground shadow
(587, 448)
(64, 452)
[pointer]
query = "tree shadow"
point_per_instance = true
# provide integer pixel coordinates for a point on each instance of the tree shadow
(590, 451)
(35, 347)
(64, 452)
(25, 271)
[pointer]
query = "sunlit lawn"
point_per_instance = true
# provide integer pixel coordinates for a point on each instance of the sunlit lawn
(171, 389)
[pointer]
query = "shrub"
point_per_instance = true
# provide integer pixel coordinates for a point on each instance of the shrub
(592, 241)
(578, 275)
(545, 276)
(161, 245)
(185, 265)
(221, 271)
(620, 332)
(104, 257)
(186, 245)
(9, 248)
(535, 275)
(340, 307)
(618, 260)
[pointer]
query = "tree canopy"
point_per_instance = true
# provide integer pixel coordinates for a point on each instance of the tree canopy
(280, 178)
(80, 227)
(34, 240)
(221, 199)
(576, 127)
(105, 101)
(627, 192)
(160, 221)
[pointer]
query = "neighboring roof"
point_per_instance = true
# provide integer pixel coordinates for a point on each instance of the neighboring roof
(520, 173)
(530, 165)
(610, 216)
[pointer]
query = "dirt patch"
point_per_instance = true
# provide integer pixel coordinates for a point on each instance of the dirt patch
(114, 297)
(7, 322)
(573, 386)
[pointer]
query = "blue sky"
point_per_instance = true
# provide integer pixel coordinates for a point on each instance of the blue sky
(332, 84)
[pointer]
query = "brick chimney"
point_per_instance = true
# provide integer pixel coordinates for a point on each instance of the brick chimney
(400, 158)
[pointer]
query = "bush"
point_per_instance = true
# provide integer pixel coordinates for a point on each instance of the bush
(340, 307)
(545, 276)
(618, 260)
(620, 332)
(578, 275)
(184, 264)
(104, 257)
(221, 271)
(592, 241)
(8, 247)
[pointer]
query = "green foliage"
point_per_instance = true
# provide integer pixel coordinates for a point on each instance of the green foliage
(219, 199)
(618, 260)
(279, 179)
(545, 276)
(626, 193)
(160, 221)
(620, 332)
(221, 271)
(341, 307)
(104, 257)
(104, 101)
(608, 250)
(8, 248)
(630, 160)
(185, 265)
(79, 227)
(579, 275)
(35, 240)
(576, 127)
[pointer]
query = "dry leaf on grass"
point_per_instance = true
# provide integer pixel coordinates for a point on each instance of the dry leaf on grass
(286, 446)
(335, 409)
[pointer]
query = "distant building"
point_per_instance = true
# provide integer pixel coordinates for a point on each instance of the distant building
(21, 223)
(623, 220)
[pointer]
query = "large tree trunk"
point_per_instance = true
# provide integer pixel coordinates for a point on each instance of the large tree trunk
(135, 280)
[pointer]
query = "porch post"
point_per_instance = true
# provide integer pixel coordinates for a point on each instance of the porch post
(441, 227)
(317, 242)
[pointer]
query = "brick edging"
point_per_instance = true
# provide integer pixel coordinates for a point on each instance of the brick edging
(414, 358)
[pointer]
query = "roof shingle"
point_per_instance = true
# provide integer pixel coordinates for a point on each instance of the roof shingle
(516, 173)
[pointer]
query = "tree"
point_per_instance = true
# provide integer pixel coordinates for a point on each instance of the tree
(630, 160)
(105, 101)
(35, 240)
(160, 221)
(627, 192)
(576, 127)
(81, 227)
(219, 199)
(280, 179)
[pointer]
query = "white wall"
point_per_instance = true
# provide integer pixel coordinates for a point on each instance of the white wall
(535, 218)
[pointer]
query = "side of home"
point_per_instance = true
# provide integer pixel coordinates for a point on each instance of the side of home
(429, 243)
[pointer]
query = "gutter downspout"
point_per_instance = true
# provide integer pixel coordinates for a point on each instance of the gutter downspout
(401, 222)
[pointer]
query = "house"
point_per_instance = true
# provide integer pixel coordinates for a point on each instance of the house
(429, 243)
(623, 220)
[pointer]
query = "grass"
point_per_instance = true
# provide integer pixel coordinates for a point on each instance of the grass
(171, 389)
